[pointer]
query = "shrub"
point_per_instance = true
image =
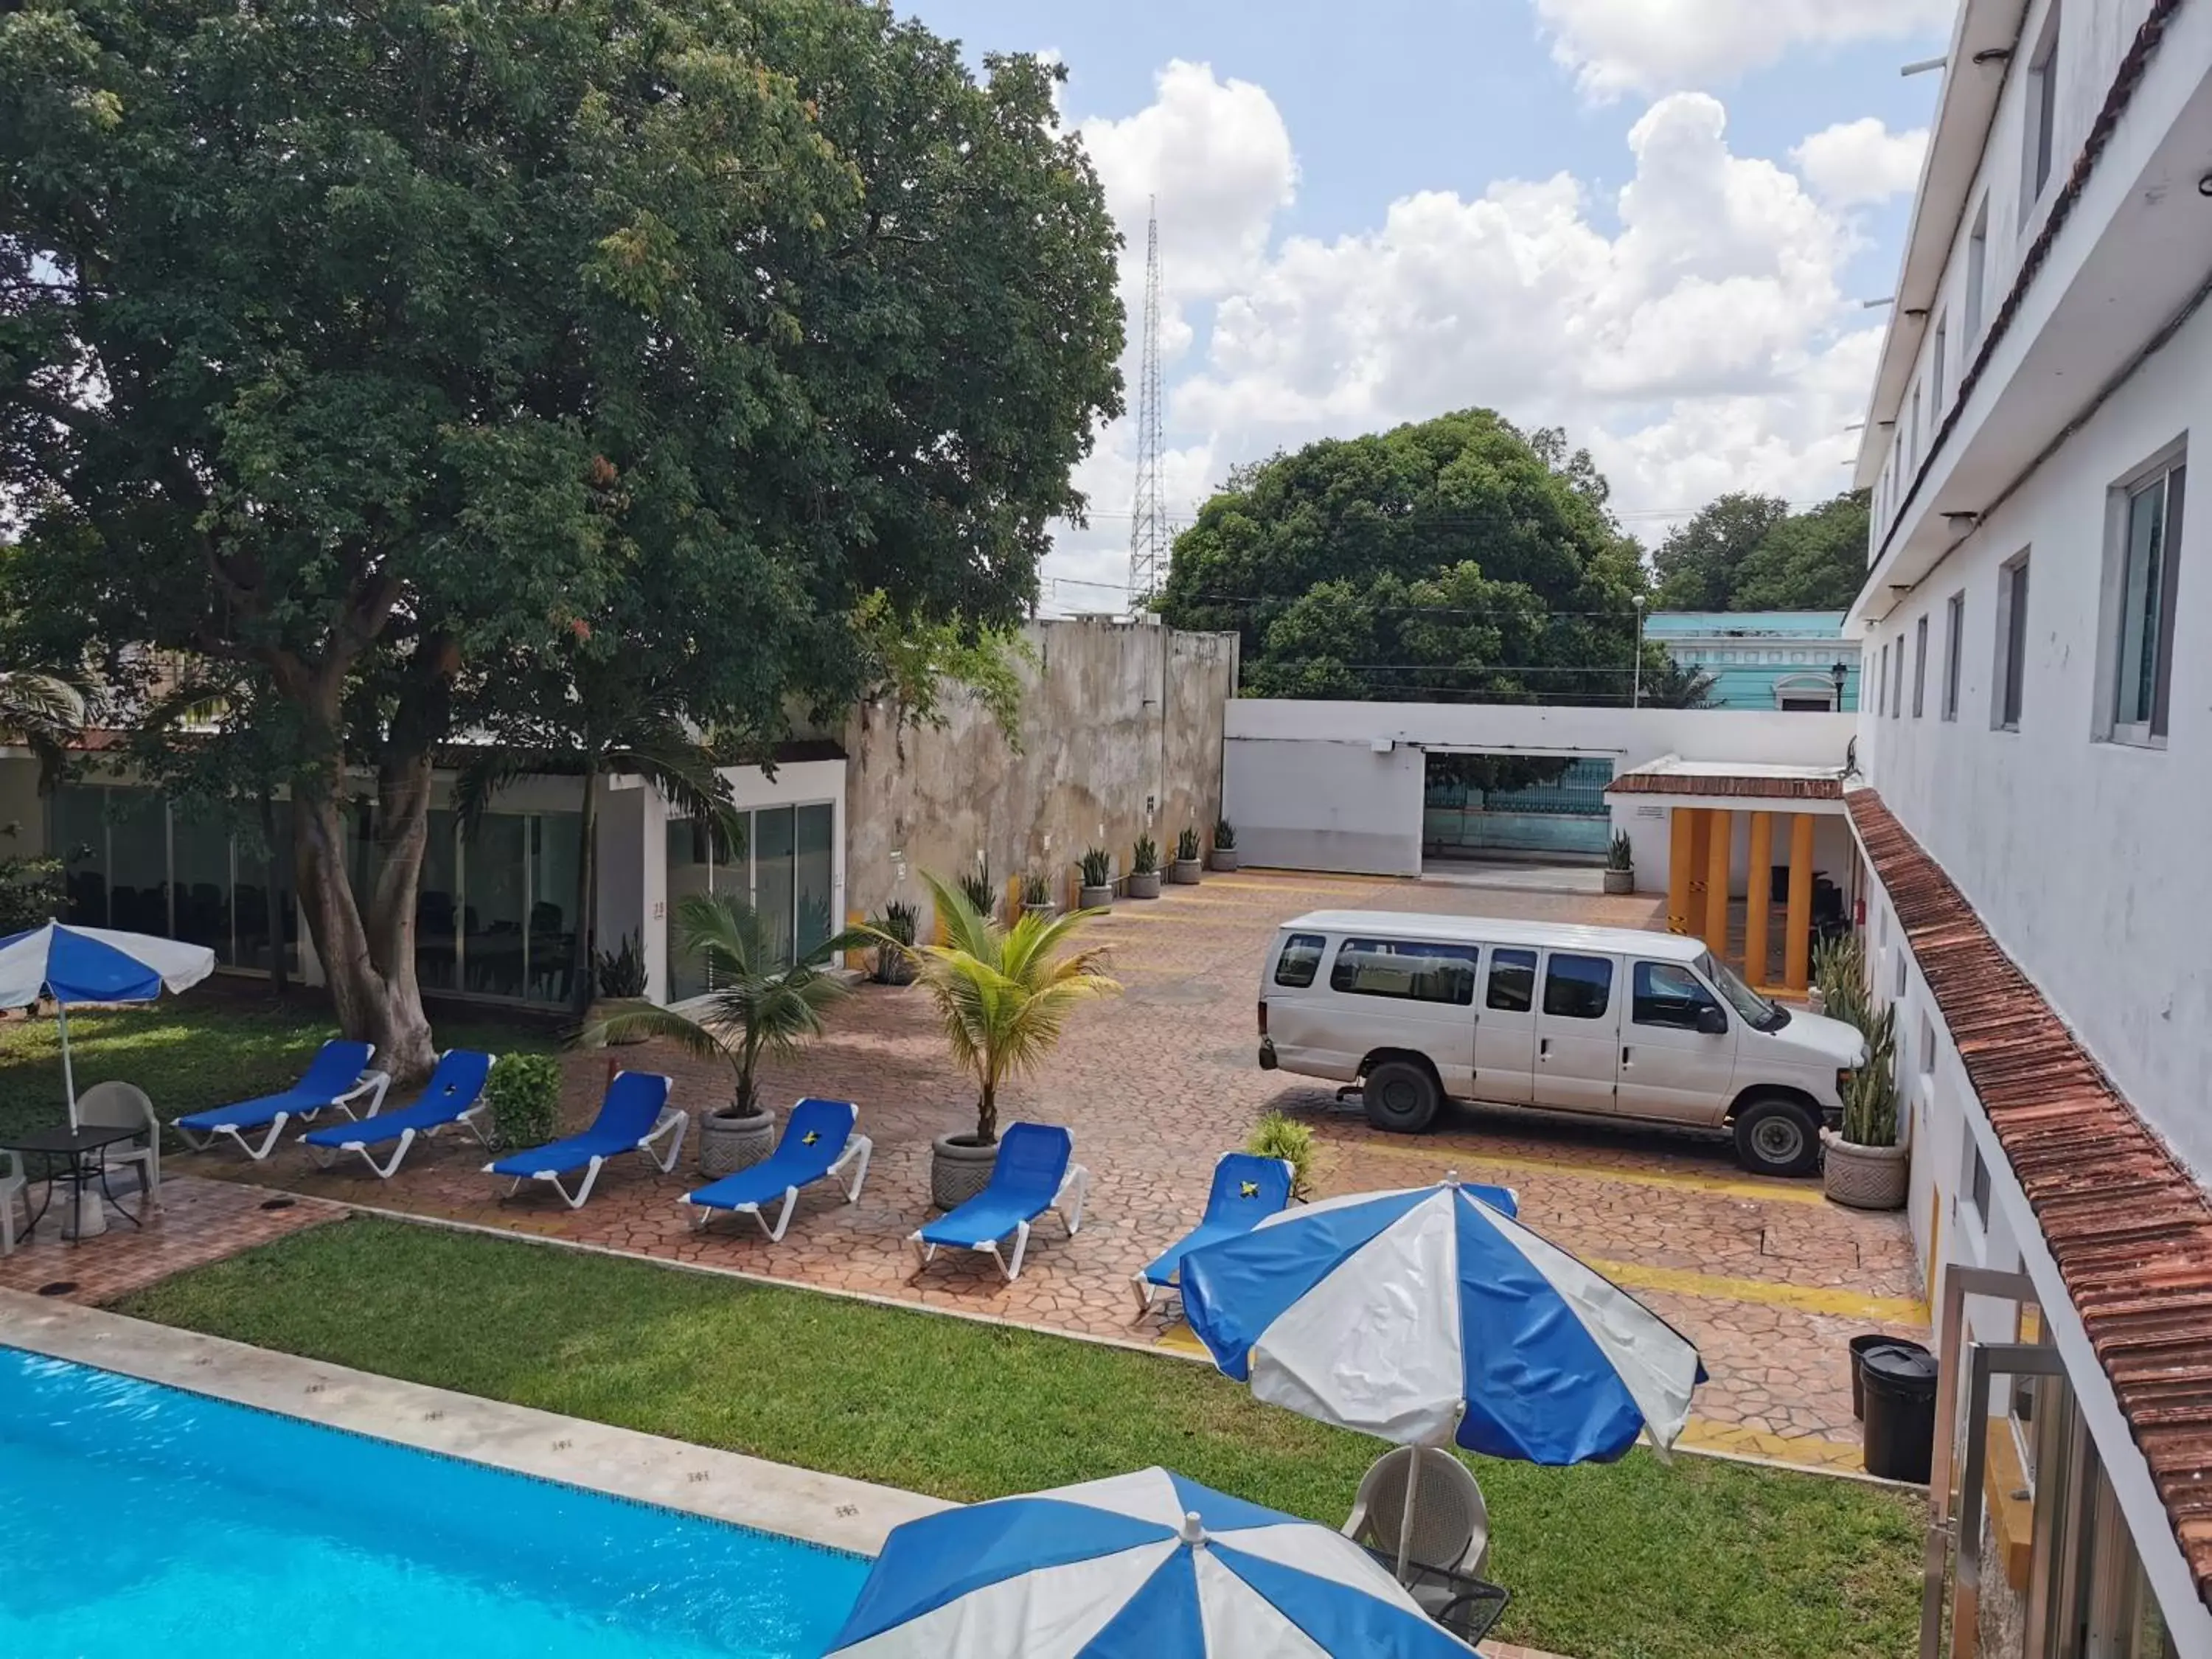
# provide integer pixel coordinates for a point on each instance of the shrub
(900, 922)
(976, 885)
(1097, 867)
(31, 894)
(525, 1091)
(1145, 859)
(1224, 836)
(1187, 843)
(621, 971)
(1277, 1136)
(1621, 855)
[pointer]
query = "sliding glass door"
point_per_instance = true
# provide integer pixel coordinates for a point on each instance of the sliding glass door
(786, 869)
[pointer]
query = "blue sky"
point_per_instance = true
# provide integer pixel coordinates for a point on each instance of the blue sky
(1374, 213)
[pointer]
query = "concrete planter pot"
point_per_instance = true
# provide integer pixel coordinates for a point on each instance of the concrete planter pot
(959, 1169)
(893, 967)
(1096, 898)
(605, 1008)
(728, 1143)
(1863, 1177)
(1144, 884)
(1225, 860)
(1039, 909)
(1620, 881)
(1185, 872)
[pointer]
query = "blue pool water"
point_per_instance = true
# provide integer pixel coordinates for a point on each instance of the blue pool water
(138, 1520)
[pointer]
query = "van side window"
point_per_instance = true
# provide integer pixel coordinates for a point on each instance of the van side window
(1578, 987)
(1400, 968)
(1300, 961)
(1512, 981)
(1667, 994)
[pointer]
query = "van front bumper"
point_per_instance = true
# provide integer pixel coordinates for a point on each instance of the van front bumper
(1267, 1061)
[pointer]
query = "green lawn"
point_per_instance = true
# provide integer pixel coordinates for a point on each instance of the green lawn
(1640, 1561)
(201, 1049)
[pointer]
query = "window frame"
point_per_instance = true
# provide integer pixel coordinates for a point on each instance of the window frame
(2039, 135)
(1531, 964)
(1291, 943)
(1938, 364)
(1471, 954)
(1954, 647)
(1551, 960)
(2167, 475)
(1977, 280)
(2008, 685)
(1881, 683)
(1919, 665)
(1638, 967)
(1897, 682)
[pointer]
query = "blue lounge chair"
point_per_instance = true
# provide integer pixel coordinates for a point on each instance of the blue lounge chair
(635, 1115)
(1247, 1190)
(1035, 1172)
(339, 1076)
(453, 1094)
(817, 1141)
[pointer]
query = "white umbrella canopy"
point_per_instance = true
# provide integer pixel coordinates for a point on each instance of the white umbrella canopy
(93, 964)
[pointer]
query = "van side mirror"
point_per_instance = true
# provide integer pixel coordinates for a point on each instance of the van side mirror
(1711, 1022)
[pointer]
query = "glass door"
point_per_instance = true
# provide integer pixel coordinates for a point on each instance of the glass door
(815, 864)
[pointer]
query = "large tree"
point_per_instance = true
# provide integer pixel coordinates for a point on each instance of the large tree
(362, 350)
(1699, 561)
(1454, 560)
(1748, 552)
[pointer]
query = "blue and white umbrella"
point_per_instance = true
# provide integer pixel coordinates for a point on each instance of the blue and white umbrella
(93, 964)
(1139, 1566)
(1430, 1316)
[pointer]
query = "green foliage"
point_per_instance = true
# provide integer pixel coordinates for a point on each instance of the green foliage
(975, 886)
(1097, 866)
(1037, 888)
(913, 661)
(1699, 561)
(31, 893)
(1621, 852)
(1277, 1136)
(620, 973)
(1004, 995)
(1224, 836)
(1145, 857)
(1747, 552)
(1187, 846)
(1839, 969)
(1454, 560)
(1495, 773)
(900, 922)
(761, 1004)
(1839, 972)
(525, 1092)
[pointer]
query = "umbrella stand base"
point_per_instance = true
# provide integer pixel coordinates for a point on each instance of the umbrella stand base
(83, 1215)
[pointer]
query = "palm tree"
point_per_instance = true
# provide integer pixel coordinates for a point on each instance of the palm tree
(1003, 993)
(758, 1007)
(39, 705)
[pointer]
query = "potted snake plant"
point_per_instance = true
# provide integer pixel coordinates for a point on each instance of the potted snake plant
(1620, 865)
(900, 922)
(1097, 866)
(1188, 862)
(1225, 845)
(1036, 894)
(1144, 881)
(1861, 1165)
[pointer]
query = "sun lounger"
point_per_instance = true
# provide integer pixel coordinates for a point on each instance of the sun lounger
(1247, 1189)
(817, 1141)
(1035, 1172)
(634, 1117)
(339, 1076)
(453, 1094)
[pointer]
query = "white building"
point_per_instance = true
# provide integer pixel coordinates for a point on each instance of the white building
(2036, 748)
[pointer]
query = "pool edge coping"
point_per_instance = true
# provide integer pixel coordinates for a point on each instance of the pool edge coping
(833, 1511)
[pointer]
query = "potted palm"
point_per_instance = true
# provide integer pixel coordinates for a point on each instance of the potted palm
(1225, 845)
(1188, 863)
(899, 923)
(758, 1007)
(1003, 997)
(1144, 869)
(1620, 865)
(1097, 868)
(1036, 894)
(619, 978)
(1861, 1165)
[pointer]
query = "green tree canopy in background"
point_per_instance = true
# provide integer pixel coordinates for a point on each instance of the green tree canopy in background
(364, 353)
(1749, 552)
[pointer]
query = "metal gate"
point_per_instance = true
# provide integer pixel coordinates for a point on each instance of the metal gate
(1568, 817)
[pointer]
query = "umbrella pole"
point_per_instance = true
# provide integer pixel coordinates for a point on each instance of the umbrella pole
(69, 1075)
(1405, 1517)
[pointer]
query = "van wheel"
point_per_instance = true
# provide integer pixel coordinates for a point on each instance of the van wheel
(1777, 1137)
(1402, 1096)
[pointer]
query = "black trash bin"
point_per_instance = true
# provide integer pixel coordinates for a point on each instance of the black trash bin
(1859, 1347)
(1899, 1381)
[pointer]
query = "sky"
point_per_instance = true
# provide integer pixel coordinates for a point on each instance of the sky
(1652, 222)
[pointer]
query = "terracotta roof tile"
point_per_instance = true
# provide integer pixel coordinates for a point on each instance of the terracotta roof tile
(2131, 1230)
(1699, 783)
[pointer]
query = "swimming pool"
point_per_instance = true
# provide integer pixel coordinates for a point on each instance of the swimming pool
(138, 1519)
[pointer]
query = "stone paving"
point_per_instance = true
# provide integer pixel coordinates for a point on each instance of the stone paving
(1767, 1278)
(197, 1221)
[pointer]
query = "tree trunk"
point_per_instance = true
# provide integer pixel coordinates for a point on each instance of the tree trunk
(582, 975)
(987, 1114)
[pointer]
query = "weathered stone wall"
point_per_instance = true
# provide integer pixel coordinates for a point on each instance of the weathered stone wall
(1120, 731)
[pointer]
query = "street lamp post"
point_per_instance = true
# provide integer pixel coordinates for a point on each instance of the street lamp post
(1636, 695)
(1840, 673)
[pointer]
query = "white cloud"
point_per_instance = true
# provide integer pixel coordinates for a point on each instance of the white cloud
(1861, 163)
(1617, 47)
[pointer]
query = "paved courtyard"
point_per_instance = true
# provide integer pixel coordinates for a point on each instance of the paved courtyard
(1768, 1279)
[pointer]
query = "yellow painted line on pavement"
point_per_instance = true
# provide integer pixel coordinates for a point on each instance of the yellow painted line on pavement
(1806, 1298)
(1181, 1339)
(1713, 1186)
(1803, 1451)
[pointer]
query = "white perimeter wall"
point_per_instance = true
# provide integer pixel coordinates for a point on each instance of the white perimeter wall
(1339, 786)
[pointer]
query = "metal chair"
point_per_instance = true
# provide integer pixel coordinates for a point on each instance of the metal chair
(124, 1105)
(1451, 1524)
(13, 1190)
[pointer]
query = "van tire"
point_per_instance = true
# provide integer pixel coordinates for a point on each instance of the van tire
(1776, 1135)
(1402, 1096)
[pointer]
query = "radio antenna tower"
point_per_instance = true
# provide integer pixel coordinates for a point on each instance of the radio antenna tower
(1148, 528)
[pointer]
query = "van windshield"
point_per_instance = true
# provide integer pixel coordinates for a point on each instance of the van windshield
(1758, 1012)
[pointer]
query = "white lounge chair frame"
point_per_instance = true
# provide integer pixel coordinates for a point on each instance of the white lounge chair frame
(1077, 1181)
(371, 1083)
(476, 1120)
(859, 1149)
(671, 1118)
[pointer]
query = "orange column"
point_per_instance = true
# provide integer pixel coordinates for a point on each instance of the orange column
(1797, 942)
(1681, 867)
(1717, 882)
(1755, 895)
(1701, 830)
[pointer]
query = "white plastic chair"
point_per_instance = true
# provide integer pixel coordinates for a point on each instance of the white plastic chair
(124, 1105)
(13, 1191)
(1451, 1524)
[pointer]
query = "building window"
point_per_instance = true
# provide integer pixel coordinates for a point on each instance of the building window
(1881, 681)
(1936, 377)
(1954, 641)
(1897, 686)
(1920, 667)
(2145, 565)
(1912, 435)
(2012, 645)
(1977, 275)
(1927, 1047)
(783, 864)
(2042, 112)
(1976, 1183)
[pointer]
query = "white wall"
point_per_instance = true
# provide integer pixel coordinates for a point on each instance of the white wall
(1307, 788)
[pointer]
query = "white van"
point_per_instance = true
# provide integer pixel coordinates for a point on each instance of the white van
(1603, 1021)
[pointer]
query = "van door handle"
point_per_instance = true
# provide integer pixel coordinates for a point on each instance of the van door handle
(1543, 1047)
(1624, 1058)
